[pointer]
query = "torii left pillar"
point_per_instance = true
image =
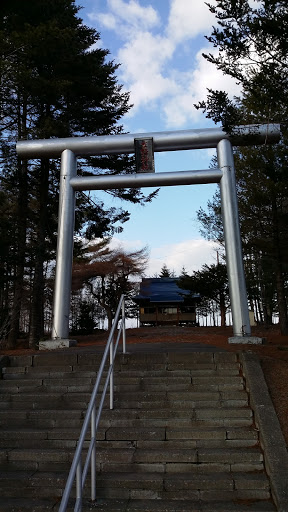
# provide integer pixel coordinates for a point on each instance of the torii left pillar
(62, 290)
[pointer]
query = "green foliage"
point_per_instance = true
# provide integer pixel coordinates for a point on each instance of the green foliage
(211, 283)
(221, 109)
(166, 272)
(105, 274)
(86, 320)
(210, 220)
(252, 44)
(55, 82)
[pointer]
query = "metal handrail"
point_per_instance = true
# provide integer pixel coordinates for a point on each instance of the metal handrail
(92, 417)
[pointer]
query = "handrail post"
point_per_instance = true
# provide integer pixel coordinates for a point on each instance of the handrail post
(111, 377)
(123, 326)
(79, 485)
(93, 454)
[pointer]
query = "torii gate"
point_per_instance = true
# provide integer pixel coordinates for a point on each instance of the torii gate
(70, 148)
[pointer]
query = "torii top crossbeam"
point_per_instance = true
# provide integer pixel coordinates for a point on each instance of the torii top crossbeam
(162, 141)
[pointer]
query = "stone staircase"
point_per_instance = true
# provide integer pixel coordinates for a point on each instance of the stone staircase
(180, 438)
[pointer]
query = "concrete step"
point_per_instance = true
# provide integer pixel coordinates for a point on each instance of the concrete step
(177, 482)
(174, 423)
(24, 404)
(123, 395)
(199, 456)
(123, 382)
(178, 467)
(239, 459)
(31, 414)
(145, 361)
(141, 438)
(30, 504)
(38, 386)
(133, 485)
(178, 392)
(143, 400)
(126, 372)
(147, 505)
(40, 421)
(140, 399)
(33, 484)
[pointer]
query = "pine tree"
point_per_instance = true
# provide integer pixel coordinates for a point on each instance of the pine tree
(211, 283)
(55, 82)
(166, 272)
(253, 49)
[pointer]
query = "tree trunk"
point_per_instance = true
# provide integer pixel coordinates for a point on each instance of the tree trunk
(37, 313)
(281, 299)
(280, 287)
(267, 313)
(258, 310)
(264, 296)
(222, 309)
(109, 318)
(21, 226)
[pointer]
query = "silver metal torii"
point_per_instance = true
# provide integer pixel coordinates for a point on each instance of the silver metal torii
(70, 148)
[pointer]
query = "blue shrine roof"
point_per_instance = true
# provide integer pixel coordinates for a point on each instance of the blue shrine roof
(162, 289)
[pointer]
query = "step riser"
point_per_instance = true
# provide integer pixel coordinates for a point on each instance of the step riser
(108, 467)
(26, 505)
(20, 403)
(197, 496)
(175, 423)
(147, 455)
(143, 494)
(186, 444)
(180, 468)
(32, 492)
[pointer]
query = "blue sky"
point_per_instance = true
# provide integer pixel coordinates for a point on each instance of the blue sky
(159, 44)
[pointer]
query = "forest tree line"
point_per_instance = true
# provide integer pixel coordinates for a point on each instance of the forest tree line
(56, 82)
(252, 44)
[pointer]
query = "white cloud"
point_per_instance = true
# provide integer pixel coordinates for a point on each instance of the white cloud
(148, 55)
(191, 254)
(179, 109)
(142, 70)
(189, 19)
(128, 17)
(126, 245)
(107, 19)
(206, 75)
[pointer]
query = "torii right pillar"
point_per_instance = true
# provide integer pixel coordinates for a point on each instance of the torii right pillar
(233, 247)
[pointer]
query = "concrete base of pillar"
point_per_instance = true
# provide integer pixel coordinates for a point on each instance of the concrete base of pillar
(58, 343)
(247, 340)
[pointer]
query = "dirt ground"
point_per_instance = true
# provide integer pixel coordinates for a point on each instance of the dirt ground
(273, 354)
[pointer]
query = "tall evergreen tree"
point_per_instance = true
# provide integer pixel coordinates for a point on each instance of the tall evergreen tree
(252, 43)
(55, 82)
(166, 272)
(211, 283)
